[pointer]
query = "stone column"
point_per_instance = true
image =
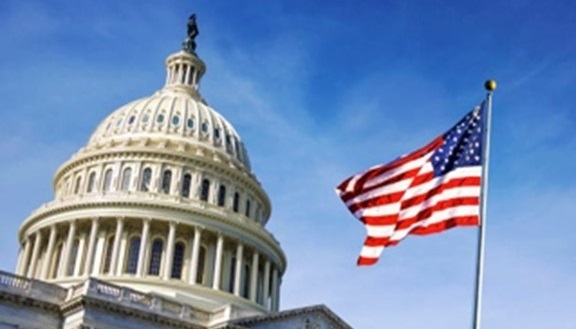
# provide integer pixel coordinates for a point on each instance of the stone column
(238, 268)
(25, 257)
(122, 254)
(63, 271)
(169, 251)
(218, 263)
(35, 251)
(143, 245)
(91, 246)
(116, 246)
(254, 276)
(274, 306)
(266, 285)
(98, 254)
(80, 255)
(194, 256)
(49, 251)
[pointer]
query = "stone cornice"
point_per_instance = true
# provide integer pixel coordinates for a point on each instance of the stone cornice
(322, 309)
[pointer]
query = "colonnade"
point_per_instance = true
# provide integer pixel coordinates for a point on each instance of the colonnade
(151, 249)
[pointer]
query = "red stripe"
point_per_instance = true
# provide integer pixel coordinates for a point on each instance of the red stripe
(359, 186)
(452, 183)
(442, 205)
(395, 179)
(447, 224)
(376, 242)
(366, 261)
(377, 201)
(380, 220)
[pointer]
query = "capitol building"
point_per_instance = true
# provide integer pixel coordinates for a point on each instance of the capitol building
(157, 222)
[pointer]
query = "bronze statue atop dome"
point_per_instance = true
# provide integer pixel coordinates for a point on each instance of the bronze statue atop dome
(189, 44)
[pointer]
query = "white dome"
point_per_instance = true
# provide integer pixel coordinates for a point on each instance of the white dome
(161, 199)
(175, 112)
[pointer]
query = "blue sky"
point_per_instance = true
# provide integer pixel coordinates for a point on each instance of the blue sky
(320, 90)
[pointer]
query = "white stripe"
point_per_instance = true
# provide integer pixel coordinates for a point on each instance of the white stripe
(461, 172)
(393, 208)
(371, 252)
(452, 193)
(416, 163)
(391, 188)
(437, 217)
(380, 231)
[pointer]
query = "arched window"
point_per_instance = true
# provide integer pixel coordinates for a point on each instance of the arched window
(236, 203)
(126, 177)
(178, 260)
(146, 178)
(247, 212)
(201, 265)
(133, 253)
(56, 261)
(221, 195)
(186, 185)
(108, 254)
(72, 258)
(205, 190)
(107, 180)
(232, 274)
(91, 182)
(77, 185)
(166, 180)
(246, 286)
(156, 257)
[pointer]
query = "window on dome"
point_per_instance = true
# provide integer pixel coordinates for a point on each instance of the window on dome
(175, 120)
(247, 212)
(221, 195)
(108, 126)
(160, 118)
(205, 190)
(204, 127)
(166, 181)
(186, 185)
(156, 257)
(119, 122)
(190, 123)
(236, 203)
(108, 254)
(91, 182)
(133, 254)
(178, 260)
(145, 118)
(77, 185)
(201, 265)
(131, 120)
(126, 177)
(216, 133)
(107, 180)
(72, 258)
(146, 178)
(56, 260)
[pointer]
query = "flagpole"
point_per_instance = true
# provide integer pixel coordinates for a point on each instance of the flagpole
(490, 86)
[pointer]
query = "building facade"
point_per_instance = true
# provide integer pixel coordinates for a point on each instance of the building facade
(157, 222)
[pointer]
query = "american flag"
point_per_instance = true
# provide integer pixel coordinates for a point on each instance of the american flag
(430, 190)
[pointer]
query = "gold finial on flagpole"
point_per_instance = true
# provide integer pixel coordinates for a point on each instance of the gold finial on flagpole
(490, 85)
